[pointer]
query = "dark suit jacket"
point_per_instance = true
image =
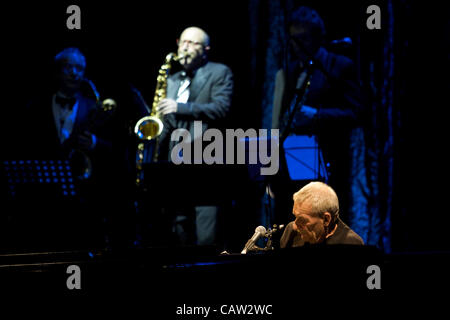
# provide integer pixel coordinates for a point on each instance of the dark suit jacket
(41, 126)
(210, 95)
(342, 235)
(335, 92)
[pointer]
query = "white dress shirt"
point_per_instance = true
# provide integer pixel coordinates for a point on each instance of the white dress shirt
(65, 117)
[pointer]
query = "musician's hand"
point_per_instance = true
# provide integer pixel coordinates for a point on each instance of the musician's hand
(308, 112)
(86, 140)
(166, 106)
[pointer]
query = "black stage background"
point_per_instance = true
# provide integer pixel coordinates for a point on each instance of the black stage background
(126, 42)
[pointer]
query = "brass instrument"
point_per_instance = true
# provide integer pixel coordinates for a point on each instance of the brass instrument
(80, 161)
(150, 127)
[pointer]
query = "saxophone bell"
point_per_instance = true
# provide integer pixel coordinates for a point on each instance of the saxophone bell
(148, 128)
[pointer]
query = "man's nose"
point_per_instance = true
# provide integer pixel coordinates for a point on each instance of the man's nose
(184, 46)
(71, 70)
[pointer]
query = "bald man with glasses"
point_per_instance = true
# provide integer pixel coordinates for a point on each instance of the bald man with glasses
(202, 90)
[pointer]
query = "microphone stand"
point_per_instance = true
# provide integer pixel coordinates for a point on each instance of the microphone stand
(299, 99)
(313, 61)
(269, 235)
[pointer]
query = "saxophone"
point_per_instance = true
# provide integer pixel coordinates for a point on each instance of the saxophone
(151, 126)
(79, 159)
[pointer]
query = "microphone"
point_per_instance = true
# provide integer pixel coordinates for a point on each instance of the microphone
(259, 232)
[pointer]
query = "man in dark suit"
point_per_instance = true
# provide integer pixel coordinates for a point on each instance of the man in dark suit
(67, 118)
(201, 91)
(330, 108)
(68, 123)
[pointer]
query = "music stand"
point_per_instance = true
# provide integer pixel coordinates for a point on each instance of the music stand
(304, 158)
(39, 177)
(42, 206)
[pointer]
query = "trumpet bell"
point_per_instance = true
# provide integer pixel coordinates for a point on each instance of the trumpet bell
(148, 128)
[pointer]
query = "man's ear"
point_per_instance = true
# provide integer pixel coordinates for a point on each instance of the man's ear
(326, 219)
(206, 51)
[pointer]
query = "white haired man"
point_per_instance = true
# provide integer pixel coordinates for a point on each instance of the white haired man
(316, 211)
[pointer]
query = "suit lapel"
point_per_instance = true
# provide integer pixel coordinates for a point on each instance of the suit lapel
(53, 130)
(50, 116)
(81, 114)
(173, 84)
(199, 81)
(84, 113)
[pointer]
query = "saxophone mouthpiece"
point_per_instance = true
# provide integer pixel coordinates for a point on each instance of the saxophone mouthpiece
(182, 56)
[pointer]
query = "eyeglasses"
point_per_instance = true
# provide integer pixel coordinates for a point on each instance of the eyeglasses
(189, 42)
